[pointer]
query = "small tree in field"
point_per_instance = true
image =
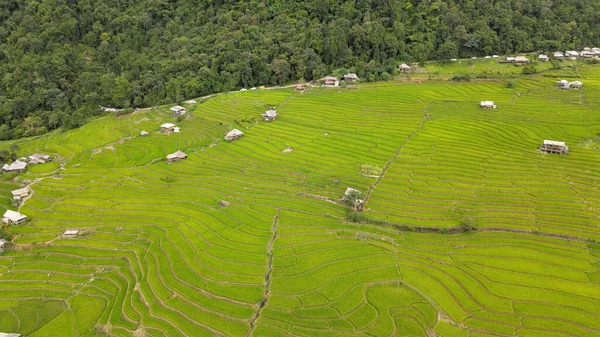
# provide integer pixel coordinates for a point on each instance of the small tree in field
(354, 199)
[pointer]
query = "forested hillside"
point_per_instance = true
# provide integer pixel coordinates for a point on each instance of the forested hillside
(61, 59)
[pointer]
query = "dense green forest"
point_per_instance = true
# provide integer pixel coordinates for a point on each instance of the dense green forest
(61, 59)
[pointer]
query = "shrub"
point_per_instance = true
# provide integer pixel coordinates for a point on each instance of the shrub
(370, 170)
(461, 78)
(467, 224)
(168, 179)
(529, 70)
(509, 84)
(355, 216)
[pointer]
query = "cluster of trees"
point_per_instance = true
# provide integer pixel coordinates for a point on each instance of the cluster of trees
(61, 59)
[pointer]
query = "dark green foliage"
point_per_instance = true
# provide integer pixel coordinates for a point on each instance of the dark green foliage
(509, 85)
(5, 235)
(467, 224)
(529, 70)
(355, 216)
(61, 60)
(462, 78)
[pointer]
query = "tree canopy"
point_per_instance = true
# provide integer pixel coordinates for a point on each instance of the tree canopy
(61, 59)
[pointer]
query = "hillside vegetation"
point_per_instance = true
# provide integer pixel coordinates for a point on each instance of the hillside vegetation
(60, 60)
(160, 254)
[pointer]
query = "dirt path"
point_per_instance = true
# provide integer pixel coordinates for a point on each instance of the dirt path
(266, 292)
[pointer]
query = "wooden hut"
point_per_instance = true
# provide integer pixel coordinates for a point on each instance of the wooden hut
(559, 55)
(71, 233)
(167, 127)
(563, 84)
(17, 166)
(13, 218)
(551, 146)
(521, 60)
(487, 105)
(144, 133)
(2, 245)
(20, 193)
(233, 135)
(300, 88)
(576, 85)
(330, 81)
(405, 68)
(350, 77)
(543, 58)
(179, 110)
(176, 156)
(269, 115)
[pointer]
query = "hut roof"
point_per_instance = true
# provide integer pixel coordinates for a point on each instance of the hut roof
(234, 133)
(330, 78)
(349, 190)
(572, 53)
(167, 125)
(521, 59)
(16, 166)
(270, 113)
(351, 76)
(71, 232)
(552, 142)
(543, 56)
(558, 54)
(39, 156)
(404, 66)
(487, 102)
(177, 108)
(20, 191)
(562, 82)
(14, 216)
(576, 83)
(4, 334)
(177, 155)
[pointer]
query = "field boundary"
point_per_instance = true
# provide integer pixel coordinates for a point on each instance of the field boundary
(268, 272)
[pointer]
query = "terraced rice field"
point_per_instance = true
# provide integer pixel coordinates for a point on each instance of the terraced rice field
(159, 256)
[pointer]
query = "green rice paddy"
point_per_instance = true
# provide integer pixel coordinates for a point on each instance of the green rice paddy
(159, 256)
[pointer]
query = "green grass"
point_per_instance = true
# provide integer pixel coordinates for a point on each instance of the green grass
(160, 256)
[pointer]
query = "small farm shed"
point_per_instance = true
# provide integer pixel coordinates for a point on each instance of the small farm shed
(144, 133)
(177, 129)
(576, 84)
(4, 334)
(488, 105)
(176, 156)
(41, 157)
(543, 58)
(350, 77)
(563, 84)
(70, 233)
(13, 218)
(330, 81)
(179, 110)
(300, 88)
(2, 244)
(269, 115)
(572, 54)
(520, 60)
(167, 127)
(17, 166)
(20, 193)
(559, 55)
(587, 54)
(551, 146)
(405, 68)
(233, 135)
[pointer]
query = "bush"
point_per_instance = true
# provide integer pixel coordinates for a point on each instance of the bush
(467, 224)
(356, 216)
(529, 70)
(5, 235)
(509, 84)
(370, 170)
(461, 78)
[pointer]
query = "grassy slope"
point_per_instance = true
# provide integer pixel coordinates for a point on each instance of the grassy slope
(160, 257)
